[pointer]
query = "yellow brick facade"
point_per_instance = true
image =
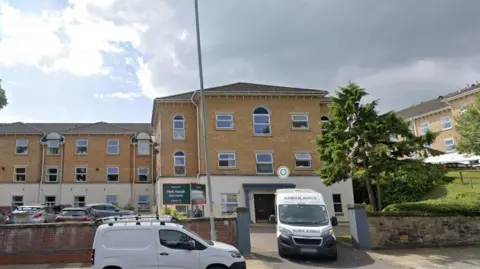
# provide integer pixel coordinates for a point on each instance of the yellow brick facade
(9, 159)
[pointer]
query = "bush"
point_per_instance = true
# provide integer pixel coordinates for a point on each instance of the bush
(438, 206)
(172, 212)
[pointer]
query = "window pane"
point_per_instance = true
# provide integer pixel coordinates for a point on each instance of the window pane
(178, 134)
(82, 142)
(20, 170)
(81, 170)
(226, 156)
(111, 199)
(143, 171)
(265, 168)
(224, 124)
(224, 117)
(261, 119)
(179, 161)
(303, 156)
(260, 110)
(143, 198)
(302, 163)
(112, 177)
(300, 118)
(178, 124)
(226, 163)
(337, 198)
(112, 170)
(113, 143)
(300, 124)
(448, 142)
(52, 170)
(53, 143)
(262, 158)
(229, 198)
(262, 129)
(337, 208)
(179, 170)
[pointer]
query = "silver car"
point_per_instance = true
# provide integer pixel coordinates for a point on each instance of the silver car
(33, 214)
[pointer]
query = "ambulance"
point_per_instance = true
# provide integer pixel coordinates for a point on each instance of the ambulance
(304, 225)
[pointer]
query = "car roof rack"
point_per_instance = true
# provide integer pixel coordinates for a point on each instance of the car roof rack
(137, 218)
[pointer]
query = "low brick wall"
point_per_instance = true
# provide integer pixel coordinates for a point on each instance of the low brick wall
(72, 242)
(413, 230)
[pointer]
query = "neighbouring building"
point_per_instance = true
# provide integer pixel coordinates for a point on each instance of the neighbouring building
(438, 115)
(77, 164)
(252, 130)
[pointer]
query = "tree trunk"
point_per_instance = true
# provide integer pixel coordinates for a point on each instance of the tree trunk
(371, 195)
(379, 195)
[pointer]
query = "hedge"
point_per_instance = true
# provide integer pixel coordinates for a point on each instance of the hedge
(437, 206)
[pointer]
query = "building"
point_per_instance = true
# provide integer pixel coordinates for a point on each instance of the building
(438, 115)
(252, 130)
(68, 163)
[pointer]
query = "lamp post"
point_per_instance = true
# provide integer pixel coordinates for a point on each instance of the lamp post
(213, 235)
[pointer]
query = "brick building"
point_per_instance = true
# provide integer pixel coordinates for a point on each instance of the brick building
(68, 163)
(253, 129)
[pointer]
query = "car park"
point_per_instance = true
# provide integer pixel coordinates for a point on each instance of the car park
(4, 218)
(103, 210)
(75, 214)
(32, 214)
(156, 243)
(58, 208)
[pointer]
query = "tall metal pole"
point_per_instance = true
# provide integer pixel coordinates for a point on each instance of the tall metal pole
(213, 234)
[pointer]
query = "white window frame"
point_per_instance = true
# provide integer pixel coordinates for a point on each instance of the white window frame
(217, 118)
(47, 174)
(269, 124)
(110, 202)
(15, 174)
(77, 204)
(117, 146)
(113, 174)
(142, 145)
(143, 173)
(337, 203)
(296, 120)
(77, 146)
(453, 145)
(184, 163)
(23, 145)
(257, 163)
(224, 202)
(228, 159)
(446, 120)
(50, 147)
(141, 203)
(86, 173)
(49, 203)
(298, 157)
(178, 130)
(424, 125)
(15, 203)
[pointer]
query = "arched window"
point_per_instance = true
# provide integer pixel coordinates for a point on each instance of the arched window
(261, 121)
(324, 120)
(179, 163)
(178, 128)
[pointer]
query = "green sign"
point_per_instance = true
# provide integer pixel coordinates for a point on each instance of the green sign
(198, 194)
(176, 194)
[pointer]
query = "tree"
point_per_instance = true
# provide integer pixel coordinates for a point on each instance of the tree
(359, 143)
(3, 97)
(468, 126)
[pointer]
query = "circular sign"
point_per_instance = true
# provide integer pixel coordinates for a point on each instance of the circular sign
(283, 172)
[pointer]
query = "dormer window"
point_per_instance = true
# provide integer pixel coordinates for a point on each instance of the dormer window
(53, 147)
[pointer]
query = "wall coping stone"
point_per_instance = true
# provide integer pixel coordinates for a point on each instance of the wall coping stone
(416, 214)
(46, 225)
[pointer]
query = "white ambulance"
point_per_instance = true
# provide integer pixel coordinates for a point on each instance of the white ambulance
(304, 226)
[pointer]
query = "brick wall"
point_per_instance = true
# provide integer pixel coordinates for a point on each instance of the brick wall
(69, 243)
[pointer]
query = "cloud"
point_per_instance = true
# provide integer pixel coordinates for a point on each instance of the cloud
(119, 95)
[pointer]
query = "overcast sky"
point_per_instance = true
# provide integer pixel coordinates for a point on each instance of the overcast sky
(92, 60)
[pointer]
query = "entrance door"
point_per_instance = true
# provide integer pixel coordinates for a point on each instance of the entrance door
(264, 206)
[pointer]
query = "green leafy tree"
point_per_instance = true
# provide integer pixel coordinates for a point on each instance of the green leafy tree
(3, 97)
(468, 126)
(358, 143)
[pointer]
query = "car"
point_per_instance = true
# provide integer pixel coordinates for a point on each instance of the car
(103, 210)
(33, 214)
(4, 218)
(58, 208)
(139, 243)
(75, 214)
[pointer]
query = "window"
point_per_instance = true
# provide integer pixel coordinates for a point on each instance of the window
(143, 175)
(143, 203)
(449, 145)
(337, 204)
(226, 160)
(82, 146)
(143, 147)
(446, 123)
(113, 147)
(173, 239)
(300, 121)
(178, 128)
(21, 147)
(112, 199)
(79, 201)
(229, 203)
(264, 163)
(303, 160)
(179, 163)
(17, 200)
(50, 200)
(80, 174)
(51, 175)
(53, 147)
(424, 127)
(224, 121)
(261, 121)
(324, 120)
(20, 174)
(112, 174)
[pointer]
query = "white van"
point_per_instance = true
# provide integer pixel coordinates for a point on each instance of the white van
(304, 226)
(154, 244)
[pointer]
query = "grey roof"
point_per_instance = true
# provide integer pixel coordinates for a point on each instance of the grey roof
(245, 87)
(461, 91)
(422, 108)
(70, 128)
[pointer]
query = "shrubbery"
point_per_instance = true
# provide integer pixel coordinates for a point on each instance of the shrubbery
(438, 206)
(172, 212)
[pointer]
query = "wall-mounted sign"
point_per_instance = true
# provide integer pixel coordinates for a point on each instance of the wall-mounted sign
(184, 194)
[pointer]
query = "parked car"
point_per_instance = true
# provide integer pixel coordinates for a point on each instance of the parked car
(75, 214)
(58, 208)
(4, 218)
(103, 210)
(32, 214)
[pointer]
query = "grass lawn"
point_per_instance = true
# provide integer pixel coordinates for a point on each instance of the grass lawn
(453, 189)
(345, 239)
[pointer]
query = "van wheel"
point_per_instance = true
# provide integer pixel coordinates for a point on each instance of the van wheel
(112, 267)
(217, 267)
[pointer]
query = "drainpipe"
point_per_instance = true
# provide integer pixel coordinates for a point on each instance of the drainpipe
(41, 173)
(151, 175)
(198, 136)
(414, 127)
(134, 178)
(61, 173)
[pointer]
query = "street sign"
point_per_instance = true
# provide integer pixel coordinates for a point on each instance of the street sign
(283, 172)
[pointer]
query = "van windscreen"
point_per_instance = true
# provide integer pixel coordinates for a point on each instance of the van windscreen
(305, 214)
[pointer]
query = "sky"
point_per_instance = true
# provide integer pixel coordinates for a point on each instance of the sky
(92, 60)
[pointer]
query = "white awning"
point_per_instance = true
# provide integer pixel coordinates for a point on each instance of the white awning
(452, 158)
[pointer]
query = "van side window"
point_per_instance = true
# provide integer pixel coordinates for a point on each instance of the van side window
(177, 240)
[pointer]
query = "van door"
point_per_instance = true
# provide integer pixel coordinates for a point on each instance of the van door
(174, 251)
